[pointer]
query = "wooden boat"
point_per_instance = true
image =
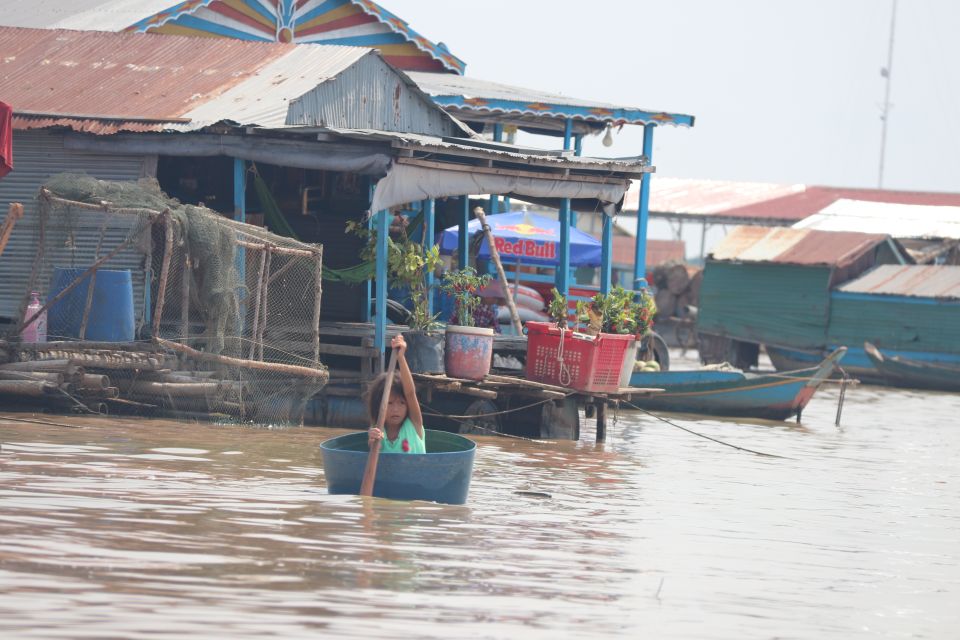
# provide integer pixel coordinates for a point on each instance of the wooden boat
(775, 396)
(914, 374)
(440, 475)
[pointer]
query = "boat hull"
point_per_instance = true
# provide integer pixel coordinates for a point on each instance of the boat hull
(914, 374)
(441, 475)
(733, 393)
(858, 364)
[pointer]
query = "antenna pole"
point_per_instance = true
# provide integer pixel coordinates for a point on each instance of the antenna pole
(886, 72)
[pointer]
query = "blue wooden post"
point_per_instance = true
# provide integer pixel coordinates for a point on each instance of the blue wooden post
(428, 233)
(494, 199)
(563, 268)
(380, 317)
(240, 215)
(371, 225)
(577, 151)
(463, 246)
(643, 211)
(606, 255)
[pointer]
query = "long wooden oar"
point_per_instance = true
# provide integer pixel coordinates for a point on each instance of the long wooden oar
(370, 472)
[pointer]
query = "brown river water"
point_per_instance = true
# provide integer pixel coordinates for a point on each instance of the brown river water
(144, 528)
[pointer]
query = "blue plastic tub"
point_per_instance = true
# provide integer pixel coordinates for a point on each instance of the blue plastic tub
(111, 310)
(440, 475)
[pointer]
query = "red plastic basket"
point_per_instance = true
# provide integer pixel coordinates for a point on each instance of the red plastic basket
(586, 363)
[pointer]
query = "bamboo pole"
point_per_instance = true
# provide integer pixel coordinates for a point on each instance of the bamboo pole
(164, 272)
(53, 377)
(300, 253)
(32, 388)
(505, 285)
(318, 292)
(266, 292)
(67, 367)
(185, 292)
(289, 369)
(256, 305)
(14, 213)
(92, 284)
(175, 389)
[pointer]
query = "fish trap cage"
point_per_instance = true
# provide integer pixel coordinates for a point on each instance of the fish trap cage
(178, 307)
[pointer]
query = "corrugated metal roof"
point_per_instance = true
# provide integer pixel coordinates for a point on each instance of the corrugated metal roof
(473, 94)
(658, 251)
(781, 204)
(908, 280)
(108, 82)
(705, 197)
(99, 15)
(795, 246)
(897, 220)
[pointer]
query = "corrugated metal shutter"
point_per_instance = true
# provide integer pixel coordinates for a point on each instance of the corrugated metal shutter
(774, 304)
(37, 156)
(893, 322)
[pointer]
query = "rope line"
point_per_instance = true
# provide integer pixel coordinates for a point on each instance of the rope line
(706, 437)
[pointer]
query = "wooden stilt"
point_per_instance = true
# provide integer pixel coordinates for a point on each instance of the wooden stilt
(318, 291)
(256, 305)
(601, 421)
(164, 272)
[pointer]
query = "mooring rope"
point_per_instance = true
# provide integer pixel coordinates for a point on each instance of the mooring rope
(706, 437)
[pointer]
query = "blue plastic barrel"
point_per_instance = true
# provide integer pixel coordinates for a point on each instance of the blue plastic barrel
(111, 310)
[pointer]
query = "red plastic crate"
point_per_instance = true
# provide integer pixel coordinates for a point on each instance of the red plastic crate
(590, 364)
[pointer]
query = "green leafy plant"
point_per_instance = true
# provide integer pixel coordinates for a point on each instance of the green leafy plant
(618, 312)
(408, 262)
(463, 286)
(557, 309)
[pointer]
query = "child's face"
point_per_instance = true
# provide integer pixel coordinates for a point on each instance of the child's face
(396, 411)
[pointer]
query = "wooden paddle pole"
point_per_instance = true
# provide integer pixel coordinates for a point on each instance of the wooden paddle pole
(495, 255)
(14, 213)
(370, 472)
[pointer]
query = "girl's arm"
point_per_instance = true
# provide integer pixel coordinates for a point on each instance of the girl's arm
(409, 388)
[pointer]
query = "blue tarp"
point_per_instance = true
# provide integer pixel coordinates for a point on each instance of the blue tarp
(529, 239)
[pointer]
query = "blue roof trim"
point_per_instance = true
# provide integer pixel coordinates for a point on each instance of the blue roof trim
(595, 114)
(326, 7)
(365, 41)
(212, 27)
(886, 297)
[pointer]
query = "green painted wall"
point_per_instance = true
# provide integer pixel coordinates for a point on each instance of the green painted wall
(777, 304)
(895, 323)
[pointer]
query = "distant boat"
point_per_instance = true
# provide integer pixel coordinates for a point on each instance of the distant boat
(914, 374)
(440, 475)
(775, 396)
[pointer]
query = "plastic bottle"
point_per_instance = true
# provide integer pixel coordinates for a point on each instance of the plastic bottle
(37, 331)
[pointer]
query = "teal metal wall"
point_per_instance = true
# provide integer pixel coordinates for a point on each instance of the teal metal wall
(895, 322)
(776, 304)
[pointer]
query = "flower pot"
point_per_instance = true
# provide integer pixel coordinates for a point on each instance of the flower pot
(468, 351)
(424, 351)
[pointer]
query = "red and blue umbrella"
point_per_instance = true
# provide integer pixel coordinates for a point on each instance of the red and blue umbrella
(527, 238)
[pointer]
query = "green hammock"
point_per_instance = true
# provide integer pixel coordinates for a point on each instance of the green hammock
(278, 224)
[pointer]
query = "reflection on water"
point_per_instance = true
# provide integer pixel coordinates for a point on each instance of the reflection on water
(143, 528)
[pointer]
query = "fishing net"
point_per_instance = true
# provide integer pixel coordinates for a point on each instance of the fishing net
(178, 307)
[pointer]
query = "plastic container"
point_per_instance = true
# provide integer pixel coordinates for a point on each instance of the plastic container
(111, 309)
(629, 358)
(37, 331)
(591, 364)
(424, 351)
(467, 352)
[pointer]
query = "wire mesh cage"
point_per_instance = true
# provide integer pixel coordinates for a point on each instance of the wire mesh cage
(174, 306)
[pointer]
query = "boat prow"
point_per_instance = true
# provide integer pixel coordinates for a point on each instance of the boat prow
(915, 374)
(440, 475)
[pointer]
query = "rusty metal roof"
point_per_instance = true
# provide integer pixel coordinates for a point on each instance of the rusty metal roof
(795, 246)
(108, 82)
(908, 280)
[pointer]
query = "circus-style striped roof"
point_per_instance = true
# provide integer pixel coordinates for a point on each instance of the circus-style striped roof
(343, 22)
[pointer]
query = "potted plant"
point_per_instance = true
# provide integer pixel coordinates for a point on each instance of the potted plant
(408, 262)
(468, 349)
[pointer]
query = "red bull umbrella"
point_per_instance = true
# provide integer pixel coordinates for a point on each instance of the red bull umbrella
(527, 238)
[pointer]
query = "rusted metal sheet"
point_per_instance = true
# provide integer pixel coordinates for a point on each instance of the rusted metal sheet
(795, 246)
(927, 281)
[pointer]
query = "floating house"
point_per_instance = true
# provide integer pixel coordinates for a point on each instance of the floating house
(292, 135)
(774, 287)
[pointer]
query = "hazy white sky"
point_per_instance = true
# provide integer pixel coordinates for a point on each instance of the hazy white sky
(783, 91)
